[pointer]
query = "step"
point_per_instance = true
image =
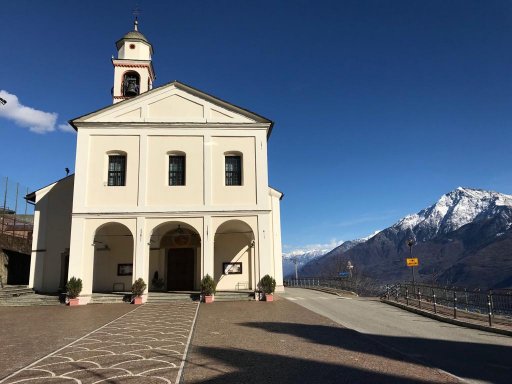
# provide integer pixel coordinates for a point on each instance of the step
(164, 297)
(110, 298)
(234, 296)
(30, 300)
(14, 291)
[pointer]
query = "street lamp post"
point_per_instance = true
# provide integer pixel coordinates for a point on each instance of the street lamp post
(410, 243)
(296, 273)
(350, 267)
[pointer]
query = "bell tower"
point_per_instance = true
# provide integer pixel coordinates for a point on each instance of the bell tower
(133, 70)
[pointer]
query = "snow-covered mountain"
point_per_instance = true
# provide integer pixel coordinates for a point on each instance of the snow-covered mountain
(465, 238)
(301, 257)
(453, 210)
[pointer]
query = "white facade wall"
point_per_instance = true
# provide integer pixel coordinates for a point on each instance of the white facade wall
(230, 223)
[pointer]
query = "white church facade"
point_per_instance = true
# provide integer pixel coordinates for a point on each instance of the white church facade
(170, 184)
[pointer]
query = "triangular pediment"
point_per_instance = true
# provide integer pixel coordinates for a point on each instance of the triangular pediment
(173, 103)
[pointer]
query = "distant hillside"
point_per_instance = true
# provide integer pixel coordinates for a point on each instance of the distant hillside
(464, 239)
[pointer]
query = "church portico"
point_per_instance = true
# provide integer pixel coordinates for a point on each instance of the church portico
(113, 258)
(235, 264)
(174, 256)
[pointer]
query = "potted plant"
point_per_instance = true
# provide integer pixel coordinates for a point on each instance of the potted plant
(208, 286)
(268, 286)
(73, 289)
(138, 289)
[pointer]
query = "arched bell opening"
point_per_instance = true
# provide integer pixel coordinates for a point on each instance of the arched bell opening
(234, 256)
(174, 258)
(113, 258)
(131, 84)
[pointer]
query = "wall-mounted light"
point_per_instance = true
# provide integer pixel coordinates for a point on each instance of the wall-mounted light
(100, 246)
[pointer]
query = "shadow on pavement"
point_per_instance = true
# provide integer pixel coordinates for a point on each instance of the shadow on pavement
(492, 363)
(256, 367)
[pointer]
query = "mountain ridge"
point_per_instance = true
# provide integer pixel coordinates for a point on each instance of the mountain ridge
(464, 238)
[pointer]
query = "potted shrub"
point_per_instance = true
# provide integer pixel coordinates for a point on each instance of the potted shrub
(138, 289)
(73, 289)
(268, 286)
(208, 286)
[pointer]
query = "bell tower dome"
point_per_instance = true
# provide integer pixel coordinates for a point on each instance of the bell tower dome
(133, 70)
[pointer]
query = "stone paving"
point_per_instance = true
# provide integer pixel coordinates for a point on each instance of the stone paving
(146, 345)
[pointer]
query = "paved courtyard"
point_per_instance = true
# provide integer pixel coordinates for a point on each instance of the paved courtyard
(282, 342)
(145, 345)
(232, 342)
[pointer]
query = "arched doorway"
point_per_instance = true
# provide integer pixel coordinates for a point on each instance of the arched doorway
(234, 256)
(175, 258)
(113, 258)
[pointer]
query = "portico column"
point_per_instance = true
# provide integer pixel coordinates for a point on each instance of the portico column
(141, 254)
(81, 258)
(208, 247)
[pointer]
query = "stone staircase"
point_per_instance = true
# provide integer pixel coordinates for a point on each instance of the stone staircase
(167, 297)
(110, 298)
(23, 296)
(234, 296)
(9, 291)
(20, 295)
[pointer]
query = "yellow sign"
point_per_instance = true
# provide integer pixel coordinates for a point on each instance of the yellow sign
(412, 262)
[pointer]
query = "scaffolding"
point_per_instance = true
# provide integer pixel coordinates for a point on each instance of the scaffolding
(16, 216)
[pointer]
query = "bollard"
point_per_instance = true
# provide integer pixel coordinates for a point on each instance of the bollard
(407, 296)
(454, 305)
(419, 298)
(387, 292)
(490, 309)
(434, 297)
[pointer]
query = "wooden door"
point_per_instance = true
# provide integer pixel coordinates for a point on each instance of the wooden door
(180, 269)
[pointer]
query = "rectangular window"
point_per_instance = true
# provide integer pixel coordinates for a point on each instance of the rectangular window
(116, 170)
(176, 170)
(233, 170)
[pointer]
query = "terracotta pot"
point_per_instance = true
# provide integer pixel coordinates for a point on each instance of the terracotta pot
(208, 299)
(73, 302)
(137, 300)
(269, 297)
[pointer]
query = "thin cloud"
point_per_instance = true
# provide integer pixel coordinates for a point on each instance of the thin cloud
(27, 117)
(66, 128)
(300, 249)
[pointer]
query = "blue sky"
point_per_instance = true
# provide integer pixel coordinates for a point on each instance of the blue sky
(380, 107)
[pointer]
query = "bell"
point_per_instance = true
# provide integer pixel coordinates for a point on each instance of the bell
(131, 89)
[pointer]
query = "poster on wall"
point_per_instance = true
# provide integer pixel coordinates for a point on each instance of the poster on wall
(124, 269)
(232, 268)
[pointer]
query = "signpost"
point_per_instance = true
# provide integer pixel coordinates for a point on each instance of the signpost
(412, 262)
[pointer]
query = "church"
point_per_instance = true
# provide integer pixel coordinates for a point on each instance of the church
(170, 184)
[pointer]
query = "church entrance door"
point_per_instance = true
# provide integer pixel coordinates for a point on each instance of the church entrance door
(180, 269)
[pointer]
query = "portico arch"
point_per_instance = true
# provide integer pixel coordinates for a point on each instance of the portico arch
(234, 261)
(113, 258)
(175, 257)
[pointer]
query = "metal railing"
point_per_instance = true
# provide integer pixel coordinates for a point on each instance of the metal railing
(493, 306)
(362, 287)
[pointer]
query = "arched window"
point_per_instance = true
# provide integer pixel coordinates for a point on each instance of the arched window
(233, 168)
(177, 168)
(131, 84)
(116, 169)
